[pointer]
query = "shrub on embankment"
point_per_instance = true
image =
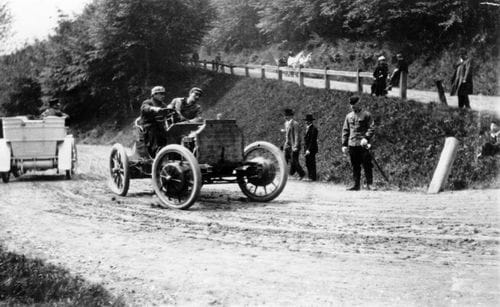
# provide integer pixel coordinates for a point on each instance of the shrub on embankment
(26, 281)
(409, 135)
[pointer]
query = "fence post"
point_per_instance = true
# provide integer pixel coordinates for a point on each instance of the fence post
(280, 74)
(443, 168)
(327, 79)
(205, 64)
(262, 72)
(358, 82)
(301, 77)
(403, 82)
(442, 97)
(247, 74)
(231, 68)
(222, 68)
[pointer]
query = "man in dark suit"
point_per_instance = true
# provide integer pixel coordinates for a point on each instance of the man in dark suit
(311, 147)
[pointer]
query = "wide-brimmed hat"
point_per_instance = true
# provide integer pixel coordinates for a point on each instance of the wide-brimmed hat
(288, 112)
(309, 118)
(353, 100)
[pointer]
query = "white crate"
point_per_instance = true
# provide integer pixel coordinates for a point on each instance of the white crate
(20, 128)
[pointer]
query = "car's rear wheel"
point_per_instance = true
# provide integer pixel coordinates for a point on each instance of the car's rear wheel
(265, 175)
(74, 159)
(176, 177)
(118, 169)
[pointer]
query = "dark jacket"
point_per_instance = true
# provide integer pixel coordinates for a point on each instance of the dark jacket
(148, 115)
(461, 81)
(356, 127)
(311, 139)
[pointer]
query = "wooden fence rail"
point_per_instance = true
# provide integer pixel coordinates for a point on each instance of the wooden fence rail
(278, 72)
(360, 82)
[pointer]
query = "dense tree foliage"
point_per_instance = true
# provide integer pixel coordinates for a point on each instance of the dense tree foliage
(98, 61)
(425, 23)
(4, 20)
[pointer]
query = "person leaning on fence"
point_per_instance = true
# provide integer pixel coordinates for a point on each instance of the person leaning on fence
(187, 108)
(380, 77)
(152, 137)
(292, 144)
(195, 58)
(218, 62)
(402, 66)
(357, 131)
(461, 80)
(310, 147)
(54, 109)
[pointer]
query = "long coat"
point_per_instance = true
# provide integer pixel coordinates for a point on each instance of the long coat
(311, 140)
(461, 81)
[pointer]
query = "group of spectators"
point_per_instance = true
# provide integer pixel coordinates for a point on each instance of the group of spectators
(357, 131)
(382, 82)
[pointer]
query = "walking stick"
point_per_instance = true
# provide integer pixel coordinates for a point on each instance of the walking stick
(368, 146)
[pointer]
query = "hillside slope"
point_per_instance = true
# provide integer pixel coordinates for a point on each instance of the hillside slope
(409, 135)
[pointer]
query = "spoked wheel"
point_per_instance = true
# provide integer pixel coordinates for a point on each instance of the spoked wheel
(176, 177)
(118, 170)
(5, 176)
(74, 159)
(265, 176)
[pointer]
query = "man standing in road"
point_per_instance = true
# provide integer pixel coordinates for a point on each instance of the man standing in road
(357, 131)
(461, 81)
(292, 144)
(152, 136)
(310, 147)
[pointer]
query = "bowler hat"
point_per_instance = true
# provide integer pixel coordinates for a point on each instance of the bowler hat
(353, 100)
(53, 101)
(309, 118)
(288, 112)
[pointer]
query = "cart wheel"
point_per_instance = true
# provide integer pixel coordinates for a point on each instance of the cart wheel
(5, 177)
(118, 170)
(266, 175)
(176, 177)
(74, 159)
(15, 172)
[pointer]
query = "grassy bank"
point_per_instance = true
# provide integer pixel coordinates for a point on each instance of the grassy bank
(409, 135)
(26, 281)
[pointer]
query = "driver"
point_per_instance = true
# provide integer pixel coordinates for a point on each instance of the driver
(187, 108)
(152, 137)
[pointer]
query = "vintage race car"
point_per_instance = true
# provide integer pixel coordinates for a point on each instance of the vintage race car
(36, 145)
(211, 151)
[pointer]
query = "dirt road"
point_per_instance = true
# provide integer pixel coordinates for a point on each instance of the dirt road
(315, 245)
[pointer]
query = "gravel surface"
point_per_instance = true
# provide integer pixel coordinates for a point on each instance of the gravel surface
(316, 244)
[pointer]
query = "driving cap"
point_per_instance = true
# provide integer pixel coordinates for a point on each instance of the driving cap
(157, 89)
(288, 112)
(196, 90)
(353, 100)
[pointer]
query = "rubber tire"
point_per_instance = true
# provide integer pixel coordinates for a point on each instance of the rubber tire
(5, 176)
(118, 150)
(193, 165)
(282, 164)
